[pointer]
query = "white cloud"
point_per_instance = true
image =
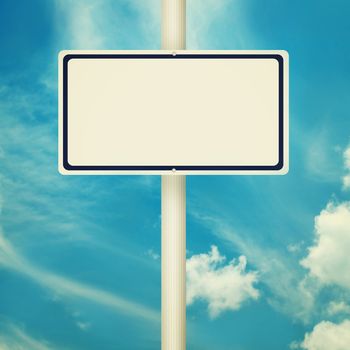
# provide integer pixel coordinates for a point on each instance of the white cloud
(66, 287)
(347, 158)
(340, 307)
(346, 178)
(294, 345)
(279, 272)
(17, 339)
(346, 182)
(327, 336)
(223, 286)
(328, 259)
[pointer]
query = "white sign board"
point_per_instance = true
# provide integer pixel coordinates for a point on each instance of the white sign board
(156, 112)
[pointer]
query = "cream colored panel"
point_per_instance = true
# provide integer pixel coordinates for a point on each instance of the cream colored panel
(192, 112)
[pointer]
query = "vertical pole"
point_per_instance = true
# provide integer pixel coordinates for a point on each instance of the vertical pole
(173, 262)
(173, 209)
(173, 24)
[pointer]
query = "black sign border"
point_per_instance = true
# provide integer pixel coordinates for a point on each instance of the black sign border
(278, 166)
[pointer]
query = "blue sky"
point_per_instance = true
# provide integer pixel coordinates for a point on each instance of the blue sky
(79, 256)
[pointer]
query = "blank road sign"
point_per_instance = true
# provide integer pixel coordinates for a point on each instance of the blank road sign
(150, 112)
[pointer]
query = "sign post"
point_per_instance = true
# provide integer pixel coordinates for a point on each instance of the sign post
(173, 113)
(173, 252)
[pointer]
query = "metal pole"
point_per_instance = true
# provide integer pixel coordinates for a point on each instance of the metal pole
(174, 262)
(173, 209)
(173, 24)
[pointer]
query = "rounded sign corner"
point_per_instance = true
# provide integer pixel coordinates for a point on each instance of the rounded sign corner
(62, 170)
(284, 170)
(283, 56)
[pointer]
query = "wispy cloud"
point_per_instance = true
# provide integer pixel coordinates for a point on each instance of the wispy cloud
(49, 206)
(322, 159)
(69, 288)
(36, 194)
(295, 247)
(84, 326)
(15, 338)
(152, 254)
(83, 23)
(224, 286)
(338, 307)
(94, 24)
(203, 14)
(346, 178)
